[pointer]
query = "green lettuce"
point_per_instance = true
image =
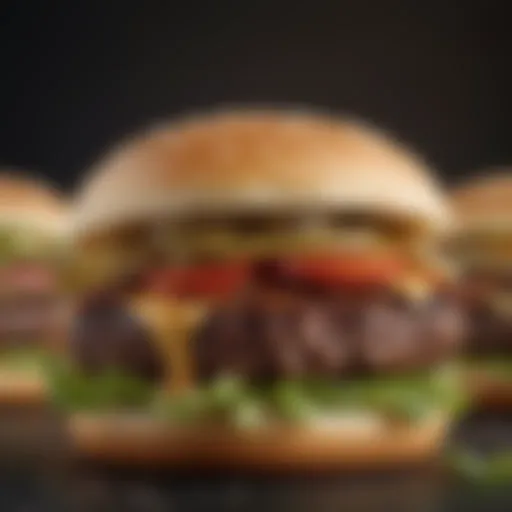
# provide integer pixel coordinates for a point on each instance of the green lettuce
(230, 399)
(110, 390)
(26, 359)
(233, 400)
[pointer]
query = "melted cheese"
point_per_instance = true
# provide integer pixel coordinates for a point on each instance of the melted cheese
(415, 288)
(171, 323)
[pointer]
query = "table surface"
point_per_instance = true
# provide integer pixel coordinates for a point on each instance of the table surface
(40, 477)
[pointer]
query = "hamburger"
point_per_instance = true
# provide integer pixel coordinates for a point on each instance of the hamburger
(483, 244)
(261, 290)
(32, 240)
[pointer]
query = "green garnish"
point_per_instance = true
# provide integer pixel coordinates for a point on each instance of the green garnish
(231, 399)
(408, 398)
(292, 401)
(111, 390)
(32, 359)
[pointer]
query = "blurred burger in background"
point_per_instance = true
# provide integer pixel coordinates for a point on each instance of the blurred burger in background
(264, 290)
(483, 244)
(33, 228)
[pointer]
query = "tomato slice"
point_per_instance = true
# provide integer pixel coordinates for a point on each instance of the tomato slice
(222, 279)
(209, 280)
(341, 270)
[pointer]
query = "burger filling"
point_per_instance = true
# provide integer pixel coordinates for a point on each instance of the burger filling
(487, 286)
(294, 330)
(489, 303)
(28, 295)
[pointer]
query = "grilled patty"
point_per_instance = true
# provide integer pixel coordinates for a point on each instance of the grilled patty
(278, 329)
(293, 336)
(105, 337)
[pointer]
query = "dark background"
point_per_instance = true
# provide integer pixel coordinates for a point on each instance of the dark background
(75, 76)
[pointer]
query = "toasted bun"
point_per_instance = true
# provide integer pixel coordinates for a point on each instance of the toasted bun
(25, 201)
(118, 440)
(258, 161)
(485, 203)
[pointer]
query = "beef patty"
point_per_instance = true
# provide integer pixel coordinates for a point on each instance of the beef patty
(266, 337)
(105, 337)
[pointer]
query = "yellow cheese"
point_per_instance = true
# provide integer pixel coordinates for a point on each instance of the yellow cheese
(171, 323)
(415, 288)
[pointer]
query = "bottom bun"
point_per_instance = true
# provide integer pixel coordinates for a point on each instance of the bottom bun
(20, 388)
(143, 441)
(490, 391)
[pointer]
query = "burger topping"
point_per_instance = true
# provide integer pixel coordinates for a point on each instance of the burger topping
(170, 324)
(323, 307)
(234, 401)
(219, 244)
(266, 335)
(216, 280)
(207, 280)
(251, 239)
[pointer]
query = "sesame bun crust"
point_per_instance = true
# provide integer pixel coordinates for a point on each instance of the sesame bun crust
(485, 202)
(25, 201)
(232, 162)
(145, 442)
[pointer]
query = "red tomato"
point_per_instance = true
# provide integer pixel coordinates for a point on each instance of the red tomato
(222, 279)
(210, 280)
(342, 270)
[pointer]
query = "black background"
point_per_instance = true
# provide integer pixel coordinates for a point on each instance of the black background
(75, 76)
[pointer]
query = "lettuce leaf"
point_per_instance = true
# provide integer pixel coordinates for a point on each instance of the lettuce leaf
(231, 399)
(408, 398)
(108, 391)
(26, 359)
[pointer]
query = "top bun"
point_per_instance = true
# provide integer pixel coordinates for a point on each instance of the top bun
(266, 161)
(485, 203)
(29, 202)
